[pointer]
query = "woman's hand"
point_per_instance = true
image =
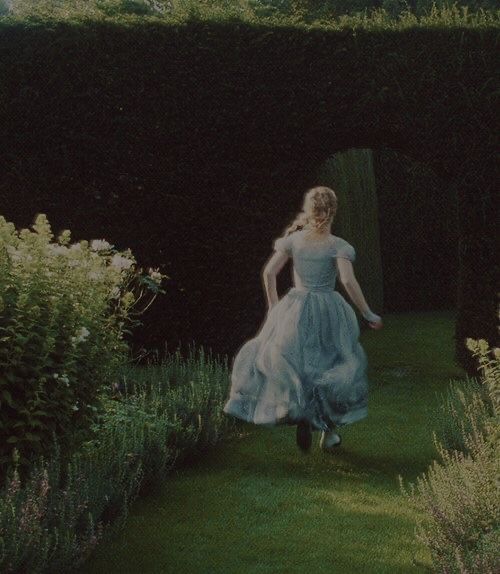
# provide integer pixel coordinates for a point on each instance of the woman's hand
(374, 320)
(376, 324)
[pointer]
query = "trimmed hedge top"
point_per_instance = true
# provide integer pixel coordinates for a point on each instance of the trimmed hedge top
(136, 12)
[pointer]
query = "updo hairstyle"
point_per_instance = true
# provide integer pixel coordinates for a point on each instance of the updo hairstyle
(318, 211)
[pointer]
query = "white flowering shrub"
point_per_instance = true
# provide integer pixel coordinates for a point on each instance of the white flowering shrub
(63, 311)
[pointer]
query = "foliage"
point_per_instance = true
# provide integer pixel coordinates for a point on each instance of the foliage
(366, 13)
(154, 420)
(459, 494)
(64, 309)
(188, 392)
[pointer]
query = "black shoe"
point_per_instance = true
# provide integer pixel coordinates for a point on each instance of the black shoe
(303, 435)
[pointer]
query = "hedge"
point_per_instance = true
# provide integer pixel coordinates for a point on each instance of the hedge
(192, 140)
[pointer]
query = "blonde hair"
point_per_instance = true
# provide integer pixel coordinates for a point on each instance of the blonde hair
(318, 211)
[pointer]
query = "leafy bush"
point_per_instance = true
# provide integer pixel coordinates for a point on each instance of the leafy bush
(54, 521)
(63, 311)
(459, 495)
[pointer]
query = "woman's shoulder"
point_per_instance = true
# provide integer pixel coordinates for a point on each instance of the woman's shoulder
(334, 245)
(301, 238)
(283, 243)
(342, 248)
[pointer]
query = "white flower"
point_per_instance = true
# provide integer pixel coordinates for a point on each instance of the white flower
(84, 332)
(95, 275)
(58, 249)
(115, 293)
(76, 247)
(121, 262)
(155, 275)
(81, 335)
(100, 245)
(14, 253)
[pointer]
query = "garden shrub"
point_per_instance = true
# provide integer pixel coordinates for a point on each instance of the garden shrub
(459, 494)
(64, 309)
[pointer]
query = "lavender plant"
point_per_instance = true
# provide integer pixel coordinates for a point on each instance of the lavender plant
(165, 413)
(459, 494)
(465, 404)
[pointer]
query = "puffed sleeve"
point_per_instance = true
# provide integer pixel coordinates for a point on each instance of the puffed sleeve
(283, 244)
(345, 250)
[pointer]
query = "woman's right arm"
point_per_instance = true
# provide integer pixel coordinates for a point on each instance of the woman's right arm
(351, 285)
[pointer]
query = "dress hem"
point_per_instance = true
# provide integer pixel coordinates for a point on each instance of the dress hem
(352, 416)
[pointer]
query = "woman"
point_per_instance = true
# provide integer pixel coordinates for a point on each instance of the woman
(306, 366)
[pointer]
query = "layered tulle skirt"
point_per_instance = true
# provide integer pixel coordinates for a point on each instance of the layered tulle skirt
(306, 362)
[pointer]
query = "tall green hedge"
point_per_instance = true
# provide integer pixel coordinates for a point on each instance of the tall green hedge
(192, 141)
(418, 249)
(352, 176)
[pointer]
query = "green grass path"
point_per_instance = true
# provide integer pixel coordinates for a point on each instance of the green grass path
(258, 505)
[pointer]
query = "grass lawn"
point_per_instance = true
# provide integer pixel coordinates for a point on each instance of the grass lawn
(258, 505)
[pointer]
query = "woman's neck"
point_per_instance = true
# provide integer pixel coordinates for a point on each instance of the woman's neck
(314, 236)
(314, 233)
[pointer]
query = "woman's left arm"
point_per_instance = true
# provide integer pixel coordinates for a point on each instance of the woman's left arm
(274, 265)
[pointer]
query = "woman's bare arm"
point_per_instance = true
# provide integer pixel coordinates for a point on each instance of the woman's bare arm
(274, 265)
(351, 285)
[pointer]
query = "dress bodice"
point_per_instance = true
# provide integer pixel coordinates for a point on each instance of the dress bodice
(314, 265)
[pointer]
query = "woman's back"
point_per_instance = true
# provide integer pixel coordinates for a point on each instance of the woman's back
(314, 265)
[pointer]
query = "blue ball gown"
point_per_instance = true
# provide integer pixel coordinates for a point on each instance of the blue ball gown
(306, 362)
